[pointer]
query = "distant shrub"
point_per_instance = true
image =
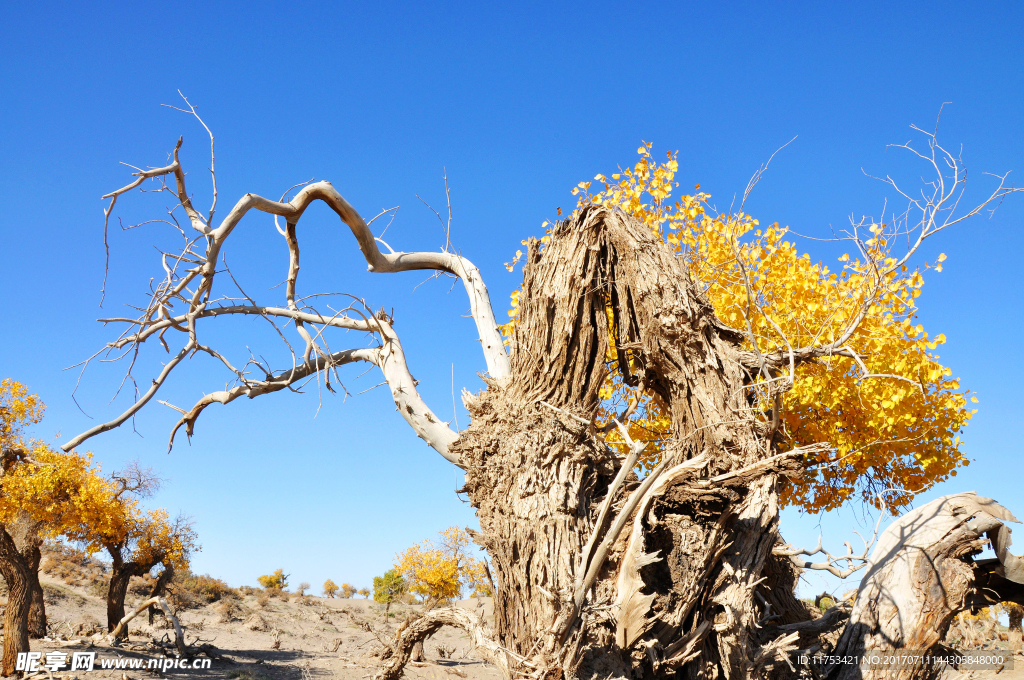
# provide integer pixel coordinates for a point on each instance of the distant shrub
(278, 580)
(301, 590)
(365, 592)
(330, 588)
(189, 591)
(277, 593)
(347, 590)
(263, 599)
(229, 610)
(53, 594)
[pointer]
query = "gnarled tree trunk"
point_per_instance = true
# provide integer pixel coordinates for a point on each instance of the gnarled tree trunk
(121, 573)
(25, 533)
(37, 605)
(675, 591)
(1015, 615)
(160, 588)
(599, 573)
(17, 574)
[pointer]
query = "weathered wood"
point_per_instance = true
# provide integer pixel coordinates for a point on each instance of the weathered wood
(428, 624)
(538, 474)
(121, 629)
(919, 578)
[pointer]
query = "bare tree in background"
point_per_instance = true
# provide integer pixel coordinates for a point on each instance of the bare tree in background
(598, 573)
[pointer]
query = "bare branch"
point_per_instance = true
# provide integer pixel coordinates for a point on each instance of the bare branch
(134, 408)
(193, 287)
(854, 562)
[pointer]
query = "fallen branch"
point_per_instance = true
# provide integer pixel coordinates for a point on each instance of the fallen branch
(179, 637)
(920, 576)
(821, 625)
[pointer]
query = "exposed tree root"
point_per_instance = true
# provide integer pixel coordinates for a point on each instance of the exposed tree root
(428, 624)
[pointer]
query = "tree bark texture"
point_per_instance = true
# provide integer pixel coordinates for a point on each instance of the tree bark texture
(676, 592)
(121, 573)
(16, 573)
(25, 533)
(37, 605)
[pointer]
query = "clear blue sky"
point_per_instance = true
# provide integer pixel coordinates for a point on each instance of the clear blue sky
(519, 103)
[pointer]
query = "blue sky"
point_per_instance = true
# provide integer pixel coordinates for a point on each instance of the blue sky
(517, 104)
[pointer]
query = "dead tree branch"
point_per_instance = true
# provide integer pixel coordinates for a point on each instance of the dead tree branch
(179, 637)
(189, 280)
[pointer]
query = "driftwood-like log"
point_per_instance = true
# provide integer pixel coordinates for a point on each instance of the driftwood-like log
(428, 624)
(919, 578)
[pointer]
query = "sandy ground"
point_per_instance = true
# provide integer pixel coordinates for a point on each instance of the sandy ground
(294, 640)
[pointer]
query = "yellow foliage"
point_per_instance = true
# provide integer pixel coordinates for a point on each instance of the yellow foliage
(65, 492)
(440, 570)
(157, 539)
(68, 495)
(278, 580)
(891, 417)
(18, 409)
(330, 588)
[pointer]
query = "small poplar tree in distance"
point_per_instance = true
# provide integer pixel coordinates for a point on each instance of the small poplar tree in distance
(388, 588)
(276, 581)
(330, 588)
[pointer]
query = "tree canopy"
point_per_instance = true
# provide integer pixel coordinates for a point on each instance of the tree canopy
(890, 410)
(440, 570)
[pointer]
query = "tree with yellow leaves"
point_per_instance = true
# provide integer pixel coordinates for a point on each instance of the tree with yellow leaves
(18, 409)
(868, 383)
(388, 589)
(139, 540)
(671, 378)
(276, 581)
(53, 495)
(47, 493)
(330, 588)
(44, 494)
(440, 570)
